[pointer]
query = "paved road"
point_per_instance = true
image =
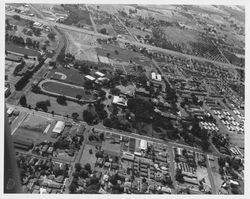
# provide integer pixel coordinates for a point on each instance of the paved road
(149, 47)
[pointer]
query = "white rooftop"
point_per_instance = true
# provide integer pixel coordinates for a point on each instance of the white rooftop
(99, 74)
(90, 77)
(59, 127)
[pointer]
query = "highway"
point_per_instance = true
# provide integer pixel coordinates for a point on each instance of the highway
(149, 47)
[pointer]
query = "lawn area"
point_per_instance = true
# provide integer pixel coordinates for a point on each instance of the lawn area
(21, 50)
(66, 89)
(73, 76)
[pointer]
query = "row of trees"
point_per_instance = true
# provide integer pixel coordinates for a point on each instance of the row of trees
(19, 67)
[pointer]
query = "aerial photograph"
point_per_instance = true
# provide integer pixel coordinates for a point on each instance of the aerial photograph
(124, 99)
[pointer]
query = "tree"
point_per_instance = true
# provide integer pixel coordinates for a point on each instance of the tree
(78, 166)
(116, 52)
(72, 187)
(102, 136)
(79, 97)
(16, 17)
(61, 100)
(103, 31)
(179, 175)
(43, 105)
(51, 36)
(88, 116)
(83, 173)
(108, 55)
(23, 101)
(75, 115)
(87, 167)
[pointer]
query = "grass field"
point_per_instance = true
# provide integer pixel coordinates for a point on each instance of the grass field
(71, 107)
(73, 76)
(63, 89)
(21, 50)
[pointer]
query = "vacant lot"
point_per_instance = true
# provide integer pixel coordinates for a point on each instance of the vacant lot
(120, 54)
(82, 46)
(87, 157)
(32, 128)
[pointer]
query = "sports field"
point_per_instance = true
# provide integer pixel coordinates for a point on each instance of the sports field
(63, 89)
(72, 75)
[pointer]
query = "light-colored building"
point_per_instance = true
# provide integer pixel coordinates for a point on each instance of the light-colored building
(119, 100)
(90, 77)
(156, 77)
(59, 127)
(99, 74)
(143, 145)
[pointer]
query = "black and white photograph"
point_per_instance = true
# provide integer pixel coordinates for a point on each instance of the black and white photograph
(124, 98)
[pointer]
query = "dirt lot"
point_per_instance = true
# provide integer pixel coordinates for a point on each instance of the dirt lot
(82, 46)
(32, 128)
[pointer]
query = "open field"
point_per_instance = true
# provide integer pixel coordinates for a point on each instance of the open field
(87, 157)
(71, 107)
(21, 50)
(77, 16)
(82, 46)
(72, 76)
(32, 128)
(123, 55)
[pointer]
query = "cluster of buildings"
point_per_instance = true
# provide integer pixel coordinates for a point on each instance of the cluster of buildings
(98, 78)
